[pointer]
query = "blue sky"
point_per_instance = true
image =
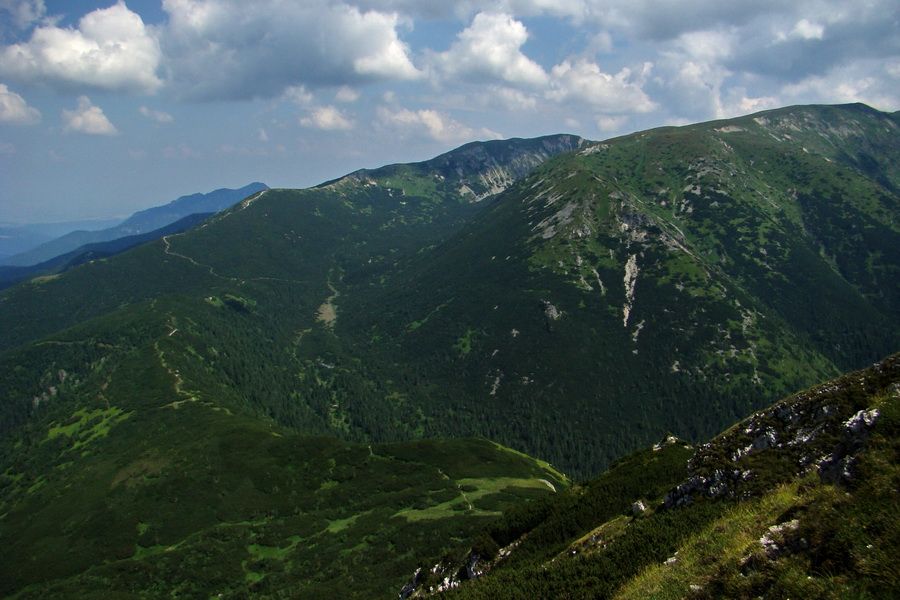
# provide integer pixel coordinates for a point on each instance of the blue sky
(109, 107)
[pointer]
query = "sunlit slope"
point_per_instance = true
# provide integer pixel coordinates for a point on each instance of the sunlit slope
(293, 237)
(669, 280)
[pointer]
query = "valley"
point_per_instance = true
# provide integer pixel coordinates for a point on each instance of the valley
(314, 392)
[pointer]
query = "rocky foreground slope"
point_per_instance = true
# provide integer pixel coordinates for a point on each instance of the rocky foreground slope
(799, 500)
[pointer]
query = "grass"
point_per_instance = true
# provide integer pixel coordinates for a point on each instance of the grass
(87, 425)
(464, 344)
(471, 491)
(339, 525)
(723, 542)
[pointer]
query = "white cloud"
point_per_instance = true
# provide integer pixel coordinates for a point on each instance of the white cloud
(874, 82)
(346, 94)
(508, 98)
(298, 95)
(707, 45)
(745, 105)
(156, 115)
(583, 81)
(223, 50)
(430, 123)
(23, 13)
(385, 56)
(490, 51)
(602, 42)
(692, 74)
(110, 50)
(611, 123)
(328, 118)
(14, 109)
(87, 118)
(806, 30)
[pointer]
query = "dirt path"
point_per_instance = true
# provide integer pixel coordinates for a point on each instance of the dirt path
(328, 311)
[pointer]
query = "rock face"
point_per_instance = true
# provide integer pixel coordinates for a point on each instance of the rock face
(638, 508)
(445, 576)
(823, 430)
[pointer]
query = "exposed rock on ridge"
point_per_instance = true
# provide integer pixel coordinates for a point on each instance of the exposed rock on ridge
(822, 429)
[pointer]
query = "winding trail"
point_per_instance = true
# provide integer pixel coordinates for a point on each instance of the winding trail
(170, 252)
(459, 487)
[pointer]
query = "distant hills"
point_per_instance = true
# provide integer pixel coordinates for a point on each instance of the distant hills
(572, 300)
(140, 222)
(12, 275)
(17, 238)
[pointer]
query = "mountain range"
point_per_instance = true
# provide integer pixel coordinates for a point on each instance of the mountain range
(16, 238)
(12, 275)
(141, 222)
(229, 399)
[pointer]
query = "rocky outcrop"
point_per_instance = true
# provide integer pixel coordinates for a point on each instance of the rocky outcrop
(446, 575)
(823, 429)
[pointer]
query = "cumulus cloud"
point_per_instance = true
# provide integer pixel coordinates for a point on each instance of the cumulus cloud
(14, 109)
(223, 50)
(491, 50)
(429, 123)
(692, 73)
(110, 50)
(328, 118)
(23, 13)
(583, 81)
(156, 115)
(87, 118)
(874, 82)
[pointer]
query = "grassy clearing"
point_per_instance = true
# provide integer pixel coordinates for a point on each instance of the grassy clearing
(471, 490)
(560, 477)
(87, 425)
(339, 525)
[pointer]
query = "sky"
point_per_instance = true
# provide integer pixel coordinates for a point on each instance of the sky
(111, 107)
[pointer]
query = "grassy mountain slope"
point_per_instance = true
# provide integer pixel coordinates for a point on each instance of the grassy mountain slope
(799, 500)
(672, 279)
(133, 482)
(140, 449)
(367, 218)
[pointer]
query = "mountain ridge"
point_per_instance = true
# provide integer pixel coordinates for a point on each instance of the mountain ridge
(673, 264)
(141, 222)
(98, 250)
(671, 280)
